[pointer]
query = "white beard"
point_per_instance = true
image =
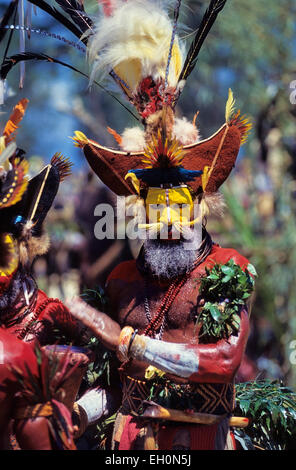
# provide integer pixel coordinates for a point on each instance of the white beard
(167, 259)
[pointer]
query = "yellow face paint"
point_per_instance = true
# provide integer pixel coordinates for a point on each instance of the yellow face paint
(169, 206)
(13, 264)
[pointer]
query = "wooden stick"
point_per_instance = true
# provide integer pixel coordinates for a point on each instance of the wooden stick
(158, 412)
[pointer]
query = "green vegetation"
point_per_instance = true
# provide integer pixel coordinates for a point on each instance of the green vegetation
(225, 289)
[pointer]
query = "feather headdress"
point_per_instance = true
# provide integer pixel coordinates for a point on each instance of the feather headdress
(13, 184)
(24, 203)
(133, 46)
(136, 43)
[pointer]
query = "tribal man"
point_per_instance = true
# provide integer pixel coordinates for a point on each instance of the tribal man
(156, 320)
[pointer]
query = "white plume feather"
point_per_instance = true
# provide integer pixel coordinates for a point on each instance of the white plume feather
(133, 139)
(134, 42)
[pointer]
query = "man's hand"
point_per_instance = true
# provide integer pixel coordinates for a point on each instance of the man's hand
(103, 327)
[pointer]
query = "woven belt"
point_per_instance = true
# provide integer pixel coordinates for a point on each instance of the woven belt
(204, 398)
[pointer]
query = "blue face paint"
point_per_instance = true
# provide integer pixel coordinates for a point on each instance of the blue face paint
(19, 219)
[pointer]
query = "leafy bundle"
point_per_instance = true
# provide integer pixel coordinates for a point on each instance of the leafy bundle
(99, 373)
(225, 289)
(271, 408)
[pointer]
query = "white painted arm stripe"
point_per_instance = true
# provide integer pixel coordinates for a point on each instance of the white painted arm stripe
(173, 358)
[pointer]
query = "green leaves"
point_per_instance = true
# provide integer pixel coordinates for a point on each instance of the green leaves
(271, 408)
(100, 368)
(215, 312)
(225, 288)
(96, 298)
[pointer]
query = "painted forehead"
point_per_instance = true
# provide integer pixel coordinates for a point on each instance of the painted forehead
(175, 195)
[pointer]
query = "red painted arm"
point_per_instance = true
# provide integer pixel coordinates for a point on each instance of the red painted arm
(52, 315)
(216, 362)
(219, 362)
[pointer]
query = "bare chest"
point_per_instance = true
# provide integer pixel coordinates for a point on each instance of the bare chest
(138, 302)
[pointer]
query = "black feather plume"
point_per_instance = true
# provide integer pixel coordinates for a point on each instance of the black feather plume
(207, 22)
(75, 9)
(6, 18)
(13, 60)
(59, 17)
(62, 165)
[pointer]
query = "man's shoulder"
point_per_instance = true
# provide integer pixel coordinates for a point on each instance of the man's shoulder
(221, 255)
(125, 271)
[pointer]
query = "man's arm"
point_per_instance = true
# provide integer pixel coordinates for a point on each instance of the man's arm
(215, 362)
(104, 328)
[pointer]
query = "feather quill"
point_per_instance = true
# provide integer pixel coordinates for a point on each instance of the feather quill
(13, 60)
(59, 17)
(176, 17)
(207, 22)
(22, 40)
(75, 9)
(47, 34)
(29, 19)
(230, 106)
(6, 18)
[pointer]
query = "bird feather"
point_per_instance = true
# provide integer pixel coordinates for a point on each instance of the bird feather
(75, 9)
(43, 5)
(206, 24)
(14, 120)
(6, 18)
(13, 60)
(230, 106)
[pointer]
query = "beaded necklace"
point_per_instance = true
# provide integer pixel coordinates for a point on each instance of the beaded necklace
(158, 322)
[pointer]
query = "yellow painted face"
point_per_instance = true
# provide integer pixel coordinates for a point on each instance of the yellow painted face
(169, 206)
(10, 246)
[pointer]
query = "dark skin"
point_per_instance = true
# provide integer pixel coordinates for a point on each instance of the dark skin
(218, 362)
(127, 309)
